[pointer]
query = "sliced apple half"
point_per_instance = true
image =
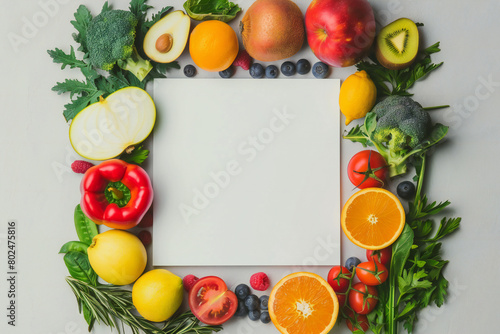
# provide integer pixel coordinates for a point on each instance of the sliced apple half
(167, 38)
(105, 129)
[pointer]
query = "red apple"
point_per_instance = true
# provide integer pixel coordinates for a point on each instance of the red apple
(340, 32)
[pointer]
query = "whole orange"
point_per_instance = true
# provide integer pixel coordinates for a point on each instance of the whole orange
(213, 45)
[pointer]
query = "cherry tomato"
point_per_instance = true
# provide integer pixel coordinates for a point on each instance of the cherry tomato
(356, 322)
(382, 255)
(342, 297)
(363, 298)
(211, 301)
(338, 278)
(367, 169)
(372, 273)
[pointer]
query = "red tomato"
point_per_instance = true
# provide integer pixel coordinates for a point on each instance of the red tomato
(372, 273)
(338, 278)
(356, 322)
(367, 169)
(363, 298)
(341, 296)
(382, 256)
(211, 301)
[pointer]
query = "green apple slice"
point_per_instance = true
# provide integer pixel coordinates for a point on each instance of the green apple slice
(167, 38)
(106, 128)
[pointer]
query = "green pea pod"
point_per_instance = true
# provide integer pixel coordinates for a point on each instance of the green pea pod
(85, 228)
(74, 246)
(79, 267)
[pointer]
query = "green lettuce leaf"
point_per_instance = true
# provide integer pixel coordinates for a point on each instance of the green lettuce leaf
(222, 10)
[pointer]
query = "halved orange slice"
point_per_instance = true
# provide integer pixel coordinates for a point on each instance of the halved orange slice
(373, 218)
(303, 303)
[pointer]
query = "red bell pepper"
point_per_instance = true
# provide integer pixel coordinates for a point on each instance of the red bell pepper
(116, 194)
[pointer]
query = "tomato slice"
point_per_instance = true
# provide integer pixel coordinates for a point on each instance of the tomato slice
(211, 301)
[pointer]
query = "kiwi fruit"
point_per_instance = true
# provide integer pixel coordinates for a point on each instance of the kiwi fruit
(397, 44)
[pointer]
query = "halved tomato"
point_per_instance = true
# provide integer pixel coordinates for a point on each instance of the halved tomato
(211, 301)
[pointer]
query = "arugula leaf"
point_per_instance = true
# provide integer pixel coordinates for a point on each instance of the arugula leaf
(222, 10)
(81, 22)
(60, 57)
(139, 9)
(155, 18)
(75, 106)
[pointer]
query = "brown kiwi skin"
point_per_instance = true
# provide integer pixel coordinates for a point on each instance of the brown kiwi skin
(389, 65)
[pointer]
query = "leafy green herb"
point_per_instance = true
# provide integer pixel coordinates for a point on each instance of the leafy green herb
(416, 277)
(222, 10)
(86, 229)
(137, 156)
(74, 246)
(96, 84)
(398, 82)
(110, 305)
(79, 267)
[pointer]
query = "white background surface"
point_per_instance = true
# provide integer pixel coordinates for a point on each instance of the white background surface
(39, 191)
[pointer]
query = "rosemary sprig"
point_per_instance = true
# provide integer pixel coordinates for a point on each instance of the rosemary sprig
(112, 305)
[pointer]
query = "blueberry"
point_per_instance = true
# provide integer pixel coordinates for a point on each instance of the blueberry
(257, 71)
(320, 70)
(352, 262)
(265, 318)
(303, 66)
(227, 73)
(272, 72)
(288, 68)
(406, 190)
(252, 302)
(254, 315)
(264, 300)
(242, 291)
(241, 311)
(189, 71)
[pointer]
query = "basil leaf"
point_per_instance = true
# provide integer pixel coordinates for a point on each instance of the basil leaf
(85, 228)
(74, 246)
(88, 316)
(79, 267)
(222, 10)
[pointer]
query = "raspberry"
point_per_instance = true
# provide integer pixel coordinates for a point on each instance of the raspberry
(147, 220)
(260, 281)
(145, 237)
(243, 60)
(81, 166)
(189, 281)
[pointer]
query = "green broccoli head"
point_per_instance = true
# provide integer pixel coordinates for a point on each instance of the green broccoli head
(111, 37)
(402, 123)
(110, 41)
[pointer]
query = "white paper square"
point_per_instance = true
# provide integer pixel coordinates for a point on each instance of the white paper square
(246, 172)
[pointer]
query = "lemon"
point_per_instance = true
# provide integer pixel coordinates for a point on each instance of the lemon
(118, 257)
(157, 294)
(358, 95)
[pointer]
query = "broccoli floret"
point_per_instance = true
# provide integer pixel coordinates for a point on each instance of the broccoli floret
(110, 41)
(401, 123)
(399, 128)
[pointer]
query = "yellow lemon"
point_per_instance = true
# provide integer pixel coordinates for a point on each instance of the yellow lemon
(157, 294)
(357, 96)
(118, 257)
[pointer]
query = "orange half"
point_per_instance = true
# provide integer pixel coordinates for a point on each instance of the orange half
(373, 218)
(303, 303)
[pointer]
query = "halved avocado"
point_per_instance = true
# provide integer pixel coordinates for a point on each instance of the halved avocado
(397, 44)
(167, 38)
(104, 129)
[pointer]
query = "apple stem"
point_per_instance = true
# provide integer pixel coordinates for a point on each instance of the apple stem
(130, 149)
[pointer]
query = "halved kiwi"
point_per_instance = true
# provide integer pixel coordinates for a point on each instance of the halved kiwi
(397, 44)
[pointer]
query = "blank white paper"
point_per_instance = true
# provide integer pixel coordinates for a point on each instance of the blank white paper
(246, 172)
